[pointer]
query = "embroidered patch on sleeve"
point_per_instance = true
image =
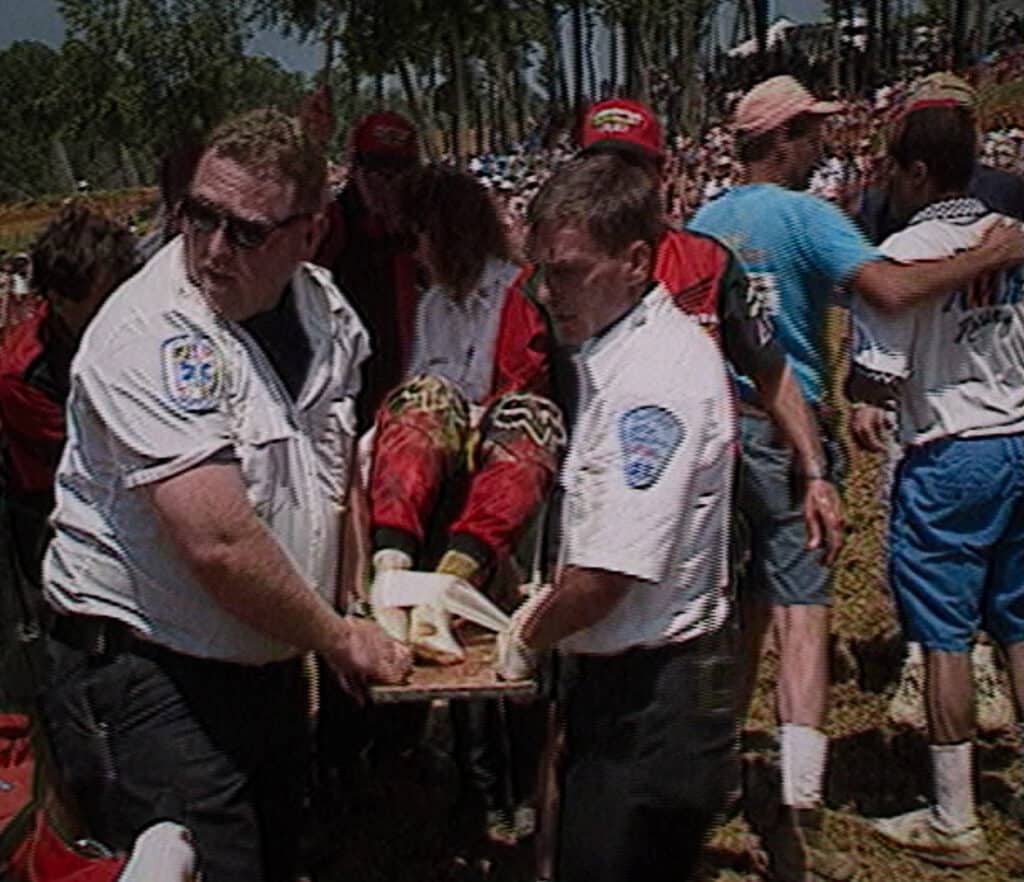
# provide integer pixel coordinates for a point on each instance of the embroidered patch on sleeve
(648, 435)
(192, 372)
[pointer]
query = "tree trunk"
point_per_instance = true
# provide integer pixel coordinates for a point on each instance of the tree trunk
(506, 88)
(593, 84)
(643, 63)
(415, 102)
(330, 47)
(561, 79)
(885, 40)
(959, 34)
(479, 122)
(871, 43)
(981, 29)
(612, 85)
(761, 28)
(62, 167)
(851, 51)
(629, 39)
(458, 74)
(837, 45)
(578, 40)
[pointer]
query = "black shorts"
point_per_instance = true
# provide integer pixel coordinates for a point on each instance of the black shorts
(650, 759)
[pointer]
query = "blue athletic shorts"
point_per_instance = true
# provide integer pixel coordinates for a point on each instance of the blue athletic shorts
(776, 562)
(956, 535)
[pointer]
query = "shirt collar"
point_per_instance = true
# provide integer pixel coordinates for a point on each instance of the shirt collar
(635, 316)
(962, 208)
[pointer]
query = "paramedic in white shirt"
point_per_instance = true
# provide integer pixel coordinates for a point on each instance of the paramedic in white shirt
(640, 604)
(200, 502)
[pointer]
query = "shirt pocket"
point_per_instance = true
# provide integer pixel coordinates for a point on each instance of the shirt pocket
(265, 444)
(336, 447)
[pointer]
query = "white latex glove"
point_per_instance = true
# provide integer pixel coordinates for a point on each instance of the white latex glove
(161, 853)
(514, 660)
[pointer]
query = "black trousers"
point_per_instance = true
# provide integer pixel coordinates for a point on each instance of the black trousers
(145, 734)
(650, 759)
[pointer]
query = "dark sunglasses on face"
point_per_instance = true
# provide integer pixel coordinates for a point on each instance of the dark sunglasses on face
(206, 218)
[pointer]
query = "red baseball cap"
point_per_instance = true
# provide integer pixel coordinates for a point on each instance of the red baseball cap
(385, 133)
(620, 124)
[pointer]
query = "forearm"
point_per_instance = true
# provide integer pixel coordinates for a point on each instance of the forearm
(782, 398)
(581, 598)
(208, 519)
(895, 287)
(248, 574)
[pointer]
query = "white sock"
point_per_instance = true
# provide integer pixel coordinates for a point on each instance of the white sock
(803, 764)
(391, 559)
(954, 786)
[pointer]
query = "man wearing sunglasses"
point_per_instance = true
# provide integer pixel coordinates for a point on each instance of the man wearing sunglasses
(200, 505)
(370, 256)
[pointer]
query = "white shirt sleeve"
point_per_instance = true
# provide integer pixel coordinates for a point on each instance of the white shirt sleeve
(883, 341)
(163, 403)
(632, 487)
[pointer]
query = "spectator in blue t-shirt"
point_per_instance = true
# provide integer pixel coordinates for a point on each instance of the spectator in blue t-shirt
(797, 248)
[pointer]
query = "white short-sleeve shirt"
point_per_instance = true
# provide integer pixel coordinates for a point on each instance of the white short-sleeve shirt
(456, 340)
(959, 358)
(161, 384)
(648, 477)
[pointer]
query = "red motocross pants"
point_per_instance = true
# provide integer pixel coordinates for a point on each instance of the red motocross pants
(432, 473)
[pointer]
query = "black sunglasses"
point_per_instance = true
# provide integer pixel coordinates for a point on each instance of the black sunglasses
(247, 234)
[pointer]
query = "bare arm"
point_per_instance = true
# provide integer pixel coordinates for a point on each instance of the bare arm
(208, 518)
(895, 286)
(780, 393)
(581, 598)
(782, 398)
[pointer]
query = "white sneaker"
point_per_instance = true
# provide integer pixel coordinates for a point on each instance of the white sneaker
(920, 833)
(431, 638)
(906, 708)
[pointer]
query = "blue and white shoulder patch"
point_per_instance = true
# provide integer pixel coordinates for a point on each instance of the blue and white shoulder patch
(193, 372)
(648, 435)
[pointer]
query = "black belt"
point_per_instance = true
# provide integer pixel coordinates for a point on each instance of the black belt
(93, 635)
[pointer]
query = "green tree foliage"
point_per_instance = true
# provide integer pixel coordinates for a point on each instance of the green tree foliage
(31, 116)
(132, 79)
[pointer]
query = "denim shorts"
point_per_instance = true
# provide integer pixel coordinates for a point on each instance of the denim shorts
(956, 538)
(776, 563)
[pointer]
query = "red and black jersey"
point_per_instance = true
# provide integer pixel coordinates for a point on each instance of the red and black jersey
(522, 352)
(35, 367)
(706, 281)
(375, 270)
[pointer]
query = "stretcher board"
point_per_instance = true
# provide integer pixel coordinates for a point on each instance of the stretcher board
(473, 678)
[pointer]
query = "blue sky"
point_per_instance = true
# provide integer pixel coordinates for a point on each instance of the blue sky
(39, 20)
